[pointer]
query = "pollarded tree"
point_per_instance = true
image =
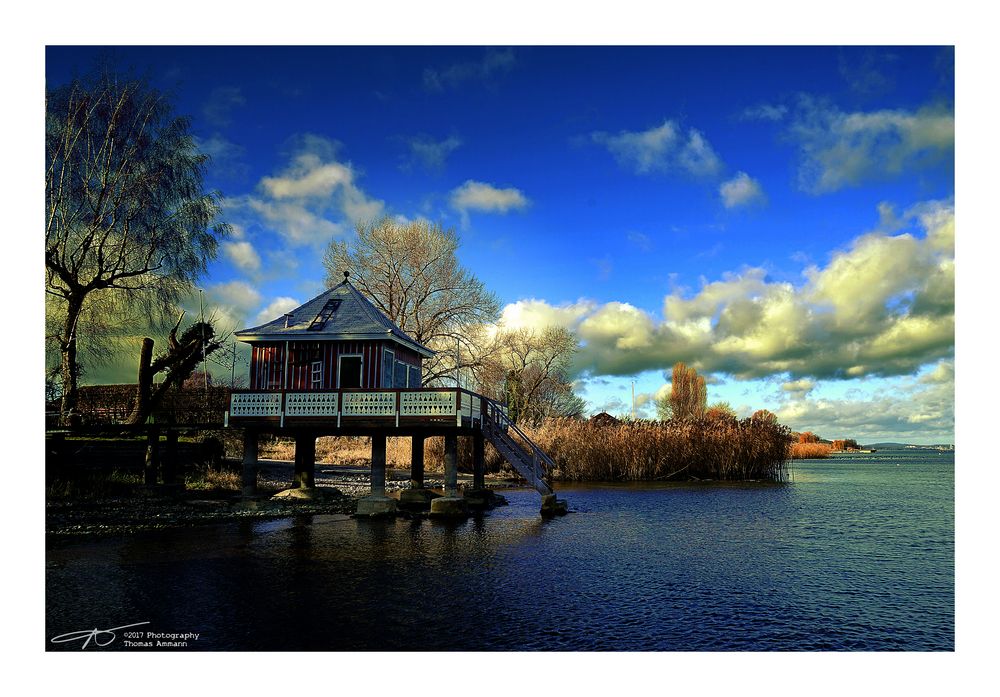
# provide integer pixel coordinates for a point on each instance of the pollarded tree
(412, 274)
(127, 221)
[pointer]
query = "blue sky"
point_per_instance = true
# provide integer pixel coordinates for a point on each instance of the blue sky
(783, 218)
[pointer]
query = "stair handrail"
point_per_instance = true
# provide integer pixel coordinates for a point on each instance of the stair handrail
(537, 453)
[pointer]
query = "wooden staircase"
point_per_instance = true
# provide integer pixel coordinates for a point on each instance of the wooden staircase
(531, 463)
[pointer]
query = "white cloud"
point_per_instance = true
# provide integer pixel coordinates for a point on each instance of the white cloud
(429, 153)
(494, 62)
(308, 177)
(238, 295)
(799, 388)
(660, 149)
(840, 149)
(765, 112)
(295, 222)
(226, 156)
(882, 306)
(741, 190)
(532, 313)
(313, 199)
(276, 308)
(910, 412)
(220, 104)
(640, 240)
(480, 196)
(243, 255)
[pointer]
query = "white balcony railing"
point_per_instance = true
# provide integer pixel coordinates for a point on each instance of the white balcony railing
(338, 404)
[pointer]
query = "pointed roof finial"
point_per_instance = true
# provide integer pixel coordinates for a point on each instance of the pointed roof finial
(346, 274)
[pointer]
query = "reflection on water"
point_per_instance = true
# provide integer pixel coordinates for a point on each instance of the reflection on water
(854, 554)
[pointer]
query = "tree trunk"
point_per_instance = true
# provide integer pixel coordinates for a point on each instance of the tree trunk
(68, 413)
(144, 386)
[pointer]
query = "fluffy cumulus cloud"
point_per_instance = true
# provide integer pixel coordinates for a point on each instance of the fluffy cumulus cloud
(276, 308)
(313, 199)
(840, 149)
(480, 196)
(884, 305)
(242, 254)
(799, 388)
(662, 148)
(741, 190)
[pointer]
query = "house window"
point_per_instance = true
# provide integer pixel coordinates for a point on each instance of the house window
(413, 377)
(399, 375)
(317, 375)
(388, 361)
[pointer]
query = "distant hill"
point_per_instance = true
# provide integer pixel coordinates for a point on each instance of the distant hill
(902, 446)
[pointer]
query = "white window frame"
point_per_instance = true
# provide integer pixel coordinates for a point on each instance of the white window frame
(409, 374)
(341, 357)
(316, 375)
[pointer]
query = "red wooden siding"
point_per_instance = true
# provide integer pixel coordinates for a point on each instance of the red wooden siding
(267, 361)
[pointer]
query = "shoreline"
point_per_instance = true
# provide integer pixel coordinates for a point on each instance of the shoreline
(171, 507)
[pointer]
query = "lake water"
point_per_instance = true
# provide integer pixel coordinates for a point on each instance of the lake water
(854, 553)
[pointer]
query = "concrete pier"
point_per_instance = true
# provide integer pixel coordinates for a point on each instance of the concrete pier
(451, 505)
(249, 462)
(305, 461)
(377, 503)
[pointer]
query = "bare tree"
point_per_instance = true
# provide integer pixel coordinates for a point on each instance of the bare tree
(529, 370)
(411, 272)
(688, 395)
(127, 223)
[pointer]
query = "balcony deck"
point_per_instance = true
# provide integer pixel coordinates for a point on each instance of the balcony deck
(347, 411)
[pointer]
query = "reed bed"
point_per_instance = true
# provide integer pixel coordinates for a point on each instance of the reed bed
(718, 449)
(808, 451)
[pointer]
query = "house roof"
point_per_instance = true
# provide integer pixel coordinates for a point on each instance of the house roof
(341, 313)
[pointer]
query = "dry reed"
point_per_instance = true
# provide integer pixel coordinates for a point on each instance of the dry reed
(720, 449)
(808, 451)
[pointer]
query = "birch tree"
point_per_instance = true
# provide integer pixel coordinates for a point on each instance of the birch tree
(127, 221)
